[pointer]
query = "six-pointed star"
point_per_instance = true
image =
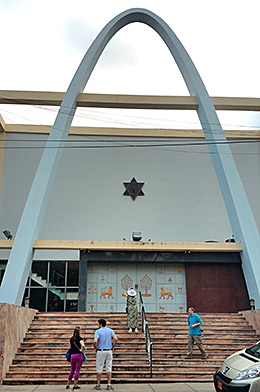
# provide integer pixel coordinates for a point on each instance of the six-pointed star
(133, 188)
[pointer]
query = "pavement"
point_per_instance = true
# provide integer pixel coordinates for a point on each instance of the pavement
(144, 387)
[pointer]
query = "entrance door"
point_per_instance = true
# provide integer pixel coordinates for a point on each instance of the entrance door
(140, 277)
(162, 285)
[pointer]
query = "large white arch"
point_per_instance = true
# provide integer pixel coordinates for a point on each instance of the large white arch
(237, 205)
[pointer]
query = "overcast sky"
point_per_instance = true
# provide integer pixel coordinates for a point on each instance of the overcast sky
(43, 42)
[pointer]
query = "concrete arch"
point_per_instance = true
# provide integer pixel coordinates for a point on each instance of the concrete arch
(237, 205)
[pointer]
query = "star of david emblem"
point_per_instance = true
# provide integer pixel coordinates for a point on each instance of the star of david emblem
(133, 189)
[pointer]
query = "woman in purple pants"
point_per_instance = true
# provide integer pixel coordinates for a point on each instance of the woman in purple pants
(77, 346)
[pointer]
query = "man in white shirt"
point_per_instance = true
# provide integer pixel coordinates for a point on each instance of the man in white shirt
(104, 342)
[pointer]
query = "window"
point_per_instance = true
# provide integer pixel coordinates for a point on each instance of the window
(2, 271)
(52, 286)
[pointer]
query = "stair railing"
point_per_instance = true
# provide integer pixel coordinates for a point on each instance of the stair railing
(146, 331)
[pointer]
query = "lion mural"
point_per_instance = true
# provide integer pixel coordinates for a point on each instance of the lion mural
(109, 293)
(166, 293)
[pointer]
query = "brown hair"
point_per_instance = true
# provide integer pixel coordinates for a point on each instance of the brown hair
(75, 333)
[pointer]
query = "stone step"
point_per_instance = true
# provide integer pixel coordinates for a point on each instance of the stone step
(212, 338)
(35, 362)
(120, 355)
(127, 337)
(137, 337)
(58, 351)
(215, 344)
(179, 358)
(63, 375)
(64, 342)
(207, 323)
(93, 317)
(97, 315)
(182, 356)
(122, 327)
(168, 363)
(152, 319)
(91, 366)
(118, 380)
(124, 335)
(212, 344)
(88, 373)
(52, 350)
(121, 323)
(59, 369)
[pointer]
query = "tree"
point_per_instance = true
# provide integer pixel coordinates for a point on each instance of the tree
(146, 283)
(126, 282)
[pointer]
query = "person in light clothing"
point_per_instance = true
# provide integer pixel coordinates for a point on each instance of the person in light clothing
(194, 323)
(104, 342)
(132, 310)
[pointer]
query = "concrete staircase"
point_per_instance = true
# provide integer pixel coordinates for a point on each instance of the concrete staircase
(43, 282)
(41, 357)
(223, 334)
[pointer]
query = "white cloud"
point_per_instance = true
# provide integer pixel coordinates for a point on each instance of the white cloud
(44, 42)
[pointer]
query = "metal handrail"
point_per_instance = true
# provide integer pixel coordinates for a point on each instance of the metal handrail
(146, 331)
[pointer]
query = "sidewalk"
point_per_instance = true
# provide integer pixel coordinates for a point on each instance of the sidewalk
(167, 387)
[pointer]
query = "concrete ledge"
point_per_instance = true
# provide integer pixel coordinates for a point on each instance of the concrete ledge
(127, 101)
(130, 132)
(145, 246)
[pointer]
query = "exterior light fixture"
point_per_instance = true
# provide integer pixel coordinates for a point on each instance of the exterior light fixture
(136, 235)
(27, 302)
(230, 240)
(8, 234)
(252, 304)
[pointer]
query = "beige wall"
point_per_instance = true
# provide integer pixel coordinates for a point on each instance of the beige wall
(253, 318)
(14, 323)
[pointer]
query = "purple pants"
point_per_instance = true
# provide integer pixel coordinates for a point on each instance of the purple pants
(76, 363)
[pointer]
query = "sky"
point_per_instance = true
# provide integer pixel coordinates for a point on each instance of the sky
(43, 43)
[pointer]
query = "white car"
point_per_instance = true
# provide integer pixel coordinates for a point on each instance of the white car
(240, 372)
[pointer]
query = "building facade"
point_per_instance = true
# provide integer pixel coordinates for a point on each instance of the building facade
(174, 201)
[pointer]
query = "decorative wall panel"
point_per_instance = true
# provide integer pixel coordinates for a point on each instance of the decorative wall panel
(163, 286)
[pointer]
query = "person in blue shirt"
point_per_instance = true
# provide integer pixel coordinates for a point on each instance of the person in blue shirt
(104, 342)
(194, 323)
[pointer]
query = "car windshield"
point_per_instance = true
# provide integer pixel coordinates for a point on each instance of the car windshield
(254, 350)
